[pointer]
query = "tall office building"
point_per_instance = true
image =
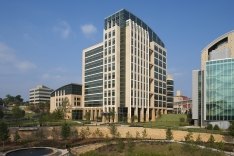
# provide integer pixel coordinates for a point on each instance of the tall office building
(40, 94)
(170, 93)
(126, 73)
(213, 85)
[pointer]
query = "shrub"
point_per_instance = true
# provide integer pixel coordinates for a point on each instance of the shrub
(128, 135)
(66, 130)
(113, 130)
(231, 129)
(189, 137)
(144, 134)
(199, 140)
(16, 136)
(216, 127)
(209, 127)
(182, 119)
(137, 135)
(211, 139)
(169, 135)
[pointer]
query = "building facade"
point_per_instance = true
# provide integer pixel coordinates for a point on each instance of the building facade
(170, 94)
(68, 97)
(40, 94)
(213, 85)
(125, 75)
(182, 104)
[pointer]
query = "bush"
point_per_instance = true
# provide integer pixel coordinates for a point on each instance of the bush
(182, 119)
(189, 137)
(231, 129)
(211, 140)
(216, 127)
(169, 135)
(66, 130)
(209, 127)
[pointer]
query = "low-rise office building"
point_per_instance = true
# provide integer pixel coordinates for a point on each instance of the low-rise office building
(39, 94)
(182, 104)
(71, 96)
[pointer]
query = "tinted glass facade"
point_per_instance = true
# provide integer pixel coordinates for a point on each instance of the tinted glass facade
(122, 16)
(219, 99)
(72, 88)
(93, 79)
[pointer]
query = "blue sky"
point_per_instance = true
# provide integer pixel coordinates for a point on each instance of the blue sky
(41, 42)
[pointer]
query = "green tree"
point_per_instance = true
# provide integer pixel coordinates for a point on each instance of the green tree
(189, 137)
(66, 108)
(16, 136)
(144, 134)
(4, 133)
(57, 114)
(1, 114)
(138, 135)
(216, 127)
(66, 130)
(169, 135)
(113, 130)
(209, 127)
(199, 140)
(112, 115)
(211, 140)
(87, 116)
(231, 129)
(17, 112)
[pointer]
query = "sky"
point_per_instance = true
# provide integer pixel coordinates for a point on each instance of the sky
(41, 42)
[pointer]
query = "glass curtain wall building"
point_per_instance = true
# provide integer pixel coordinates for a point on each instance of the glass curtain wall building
(134, 70)
(213, 84)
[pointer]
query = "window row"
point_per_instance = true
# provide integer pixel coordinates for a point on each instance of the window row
(109, 59)
(107, 84)
(109, 50)
(108, 35)
(109, 42)
(108, 101)
(109, 76)
(109, 93)
(108, 67)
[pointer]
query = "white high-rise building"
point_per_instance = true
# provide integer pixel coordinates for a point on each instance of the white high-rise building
(126, 73)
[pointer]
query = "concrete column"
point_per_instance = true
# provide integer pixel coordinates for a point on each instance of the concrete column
(129, 115)
(136, 114)
(153, 115)
(142, 115)
(147, 115)
(95, 114)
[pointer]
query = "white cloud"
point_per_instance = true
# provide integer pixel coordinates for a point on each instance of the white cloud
(9, 59)
(88, 30)
(64, 29)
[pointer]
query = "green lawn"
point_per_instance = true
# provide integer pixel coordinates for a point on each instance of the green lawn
(167, 120)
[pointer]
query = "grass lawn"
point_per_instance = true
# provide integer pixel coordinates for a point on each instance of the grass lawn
(152, 149)
(167, 120)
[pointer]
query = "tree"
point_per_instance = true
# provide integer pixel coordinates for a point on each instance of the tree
(189, 137)
(144, 134)
(4, 133)
(87, 116)
(112, 115)
(17, 112)
(216, 127)
(209, 127)
(199, 140)
(1, 114)
(113, 130)
(66, 130)
(16, 136)
(211, 140)
(231, 129)
(169, 135)
(57, 114)
(66, 108)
